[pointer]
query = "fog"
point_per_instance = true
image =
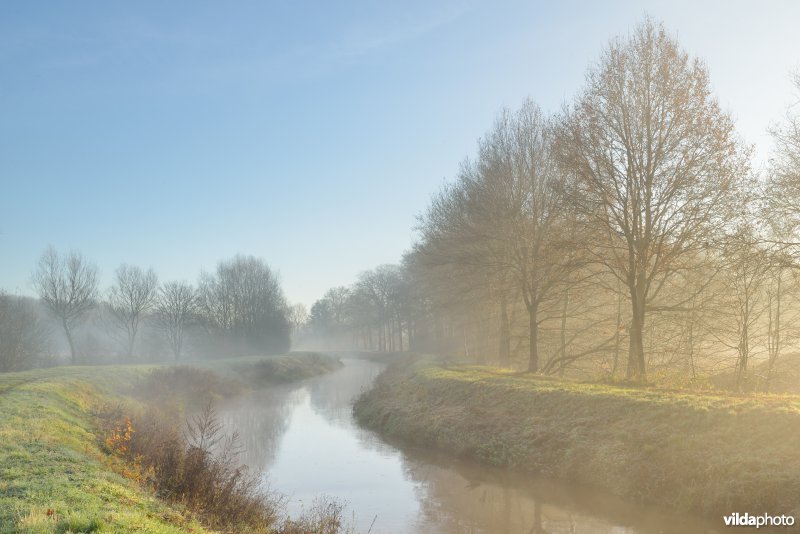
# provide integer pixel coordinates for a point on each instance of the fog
(594, 328)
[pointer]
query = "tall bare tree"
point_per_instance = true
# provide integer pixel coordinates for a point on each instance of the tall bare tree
(784, 177)
(377, 286)
(176, 305)
(492, 234)
(68, 286)
(457, 262)
(782, 316)
(243, 300)
(782, 213)
(517, 214)
(744, 277)
(655, 160)
(298, 316)
(133, 295)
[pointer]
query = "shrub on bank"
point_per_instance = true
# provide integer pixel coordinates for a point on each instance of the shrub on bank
(296, 366)
(185, 385)
(197, 468)
(191, 462)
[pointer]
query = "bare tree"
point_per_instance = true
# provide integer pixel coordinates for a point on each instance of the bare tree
(133, 295)
(505, 225)
(540, 238)
(784, 176)
(782, 317)
(655, 160)
(243, 300)
(68, 286)
(783, 217)
(377, 286)
(298, 315)
(746, 272)
(460, 268)
(328, 318)
(488, 236)
(176, 305)
(23, 337)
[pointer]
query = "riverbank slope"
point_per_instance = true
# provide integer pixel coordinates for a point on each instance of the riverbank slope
(55, 475)
(709, 454)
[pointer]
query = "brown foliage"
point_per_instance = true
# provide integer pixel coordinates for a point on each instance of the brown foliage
(196, 468)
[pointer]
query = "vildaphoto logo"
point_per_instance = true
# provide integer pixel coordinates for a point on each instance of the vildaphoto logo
(764, 520)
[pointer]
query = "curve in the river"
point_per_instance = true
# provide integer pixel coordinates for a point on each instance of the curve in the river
(303, 438)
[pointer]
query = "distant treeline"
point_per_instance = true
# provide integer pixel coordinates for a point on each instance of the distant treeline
(626, 236)
(240, 308)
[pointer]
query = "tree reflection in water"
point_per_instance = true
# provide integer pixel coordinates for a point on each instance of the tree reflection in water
(260, 419)
(305, 438)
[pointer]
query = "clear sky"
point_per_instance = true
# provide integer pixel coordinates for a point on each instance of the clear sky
(174, 134)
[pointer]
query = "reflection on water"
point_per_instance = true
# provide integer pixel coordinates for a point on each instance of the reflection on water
(303, 438)
(260, 419)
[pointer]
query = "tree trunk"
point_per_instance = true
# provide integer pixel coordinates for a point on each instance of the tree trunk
(533, 359)
(563, 363)
(68, 333)
(131, 340)
(691, 347)
(636, 362)
(505, 334)
(744, 346)
(744, 353)
(775, 331)
(400, 333)
(537, 518)
(615, 366)
(481, 341)
(617, 336)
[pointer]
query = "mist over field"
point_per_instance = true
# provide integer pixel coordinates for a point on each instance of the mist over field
(471, 267)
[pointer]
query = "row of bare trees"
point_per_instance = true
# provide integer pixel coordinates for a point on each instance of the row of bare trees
(627, 231)
(239, 308)
(374, 314)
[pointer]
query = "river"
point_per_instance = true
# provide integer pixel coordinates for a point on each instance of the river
(303, 440)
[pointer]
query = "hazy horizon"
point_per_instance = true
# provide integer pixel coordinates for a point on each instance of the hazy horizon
(174, 136)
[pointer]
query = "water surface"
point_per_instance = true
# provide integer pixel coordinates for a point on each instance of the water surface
(304, 441)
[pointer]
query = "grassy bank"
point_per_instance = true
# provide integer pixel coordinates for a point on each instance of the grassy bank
(55, 475)
(700, 453)
(258, 371)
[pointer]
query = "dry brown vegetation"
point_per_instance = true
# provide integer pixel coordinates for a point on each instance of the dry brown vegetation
(705, 453)
(278, 370)
(172, 443)
(185, 385)
(195, 467)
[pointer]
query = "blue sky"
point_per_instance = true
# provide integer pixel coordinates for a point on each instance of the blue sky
(175, 134)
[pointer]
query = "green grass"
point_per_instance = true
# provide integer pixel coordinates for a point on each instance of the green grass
(54, 475)
(707, 453)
